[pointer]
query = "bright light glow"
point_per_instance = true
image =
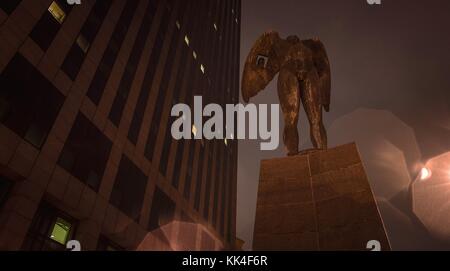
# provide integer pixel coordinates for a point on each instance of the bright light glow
(194, 54)
(186, 39)
(226, 142)
(425, 173)
(215, 26)
(202, 68)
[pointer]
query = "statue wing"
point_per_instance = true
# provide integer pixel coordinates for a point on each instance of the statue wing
(259, 68)
(323, 68)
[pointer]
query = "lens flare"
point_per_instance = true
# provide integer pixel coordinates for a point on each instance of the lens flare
(425, 174)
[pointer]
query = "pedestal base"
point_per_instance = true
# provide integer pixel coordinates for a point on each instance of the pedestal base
(317, 201)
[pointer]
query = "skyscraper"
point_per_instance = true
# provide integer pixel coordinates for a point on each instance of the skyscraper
(86, 151)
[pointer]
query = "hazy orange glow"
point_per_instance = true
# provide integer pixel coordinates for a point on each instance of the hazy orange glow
(432, 198)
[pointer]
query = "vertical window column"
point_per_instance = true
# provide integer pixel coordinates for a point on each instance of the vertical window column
(74, 59)
(106, 64)
(44, 32)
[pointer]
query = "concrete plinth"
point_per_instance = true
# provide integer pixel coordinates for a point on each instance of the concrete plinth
(317, 201)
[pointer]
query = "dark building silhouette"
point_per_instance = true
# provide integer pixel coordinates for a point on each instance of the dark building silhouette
(86, 151)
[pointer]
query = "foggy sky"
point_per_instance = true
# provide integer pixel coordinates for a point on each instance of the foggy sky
(393, 59)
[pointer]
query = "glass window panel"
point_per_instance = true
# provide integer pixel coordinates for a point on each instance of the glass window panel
(60, 231)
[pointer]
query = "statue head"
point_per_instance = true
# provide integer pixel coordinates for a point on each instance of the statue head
(261, 65)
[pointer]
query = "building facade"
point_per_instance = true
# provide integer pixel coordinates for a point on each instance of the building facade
(86, 151)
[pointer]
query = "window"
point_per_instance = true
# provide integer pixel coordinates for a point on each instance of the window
(178, 161)
(160, 100)
(225, 192)
(57, 12)
(208, 184)
(198, 184)
(129, 189)
(217, 185)
(74, 59)
(9, 6)
(5, 188)
(29, 103)
(117, 109)
(50, 229)
(164, 158)
(138, 115)
(83, 43)
(105, 244)
(60, 231)
(85, 152)
(190, 168)
(162, 211)
(104, 69)
(48, 26)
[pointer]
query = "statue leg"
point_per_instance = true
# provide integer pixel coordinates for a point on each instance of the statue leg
(311, 101)
(289, 96)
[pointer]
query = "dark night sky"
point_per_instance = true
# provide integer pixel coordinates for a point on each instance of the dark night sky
(390, 91)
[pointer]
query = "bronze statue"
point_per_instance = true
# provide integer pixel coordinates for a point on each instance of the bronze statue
(304, 74)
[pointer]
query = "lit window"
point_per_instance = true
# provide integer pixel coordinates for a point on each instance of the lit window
(57, 12)
(194, 54)
(83, 43)
(186, 39)
(61, 230)
(194, 130)
(202, 68)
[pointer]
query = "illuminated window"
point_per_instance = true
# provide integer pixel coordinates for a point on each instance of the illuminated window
(194, 130)
(186, 40)
(50, 23)
(61, 230)
(57, 12)
(50, 230)
(83, 43)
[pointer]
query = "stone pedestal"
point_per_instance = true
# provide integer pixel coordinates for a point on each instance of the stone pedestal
(317, 201)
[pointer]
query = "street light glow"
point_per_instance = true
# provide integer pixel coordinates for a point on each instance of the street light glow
(425, 174)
